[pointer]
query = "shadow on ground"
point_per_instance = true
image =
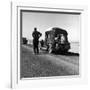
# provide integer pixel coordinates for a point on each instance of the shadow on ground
(61, 53)
(68, 54)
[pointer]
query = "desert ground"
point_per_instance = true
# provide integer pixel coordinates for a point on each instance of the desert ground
(46, 65)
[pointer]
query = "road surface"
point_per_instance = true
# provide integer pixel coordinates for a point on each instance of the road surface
(45, 65)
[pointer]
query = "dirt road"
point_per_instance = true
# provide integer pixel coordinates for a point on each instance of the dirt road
(45, 64)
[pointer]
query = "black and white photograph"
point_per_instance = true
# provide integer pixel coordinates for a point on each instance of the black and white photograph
(45, 44)
(50, 44)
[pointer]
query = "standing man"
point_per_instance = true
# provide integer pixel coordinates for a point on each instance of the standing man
(36, 35)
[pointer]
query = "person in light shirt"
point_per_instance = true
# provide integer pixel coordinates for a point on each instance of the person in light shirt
(62, 39)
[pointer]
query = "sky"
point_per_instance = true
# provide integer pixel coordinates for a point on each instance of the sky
(43, 21)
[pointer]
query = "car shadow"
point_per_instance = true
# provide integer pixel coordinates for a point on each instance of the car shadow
(68, 54)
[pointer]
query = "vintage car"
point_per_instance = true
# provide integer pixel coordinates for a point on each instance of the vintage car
(56, 40)
(24, 40)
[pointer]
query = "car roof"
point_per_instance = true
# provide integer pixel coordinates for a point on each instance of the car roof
(57, 30)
